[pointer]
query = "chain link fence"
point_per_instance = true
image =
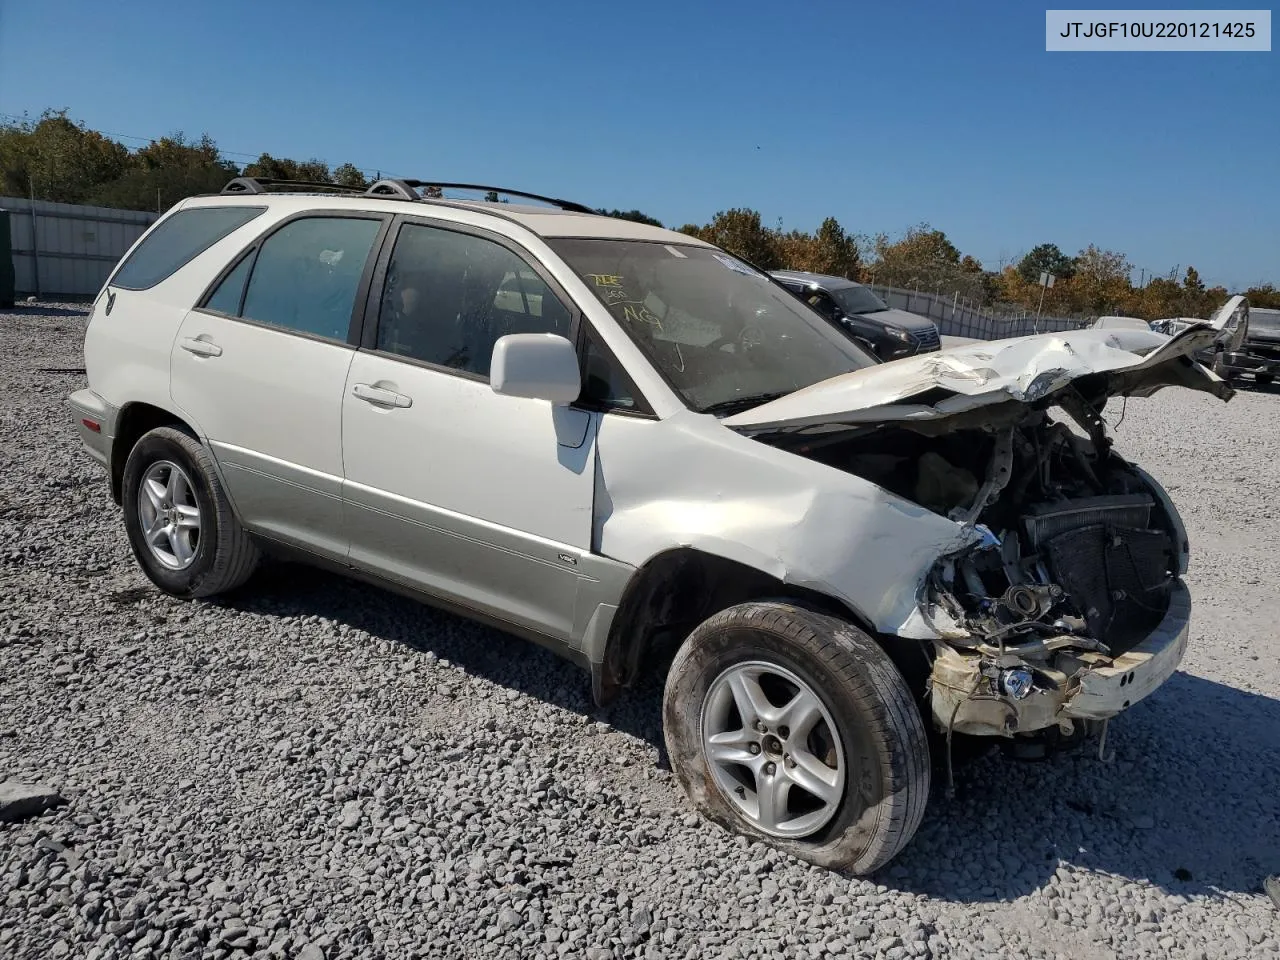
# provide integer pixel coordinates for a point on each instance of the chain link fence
(959, 316)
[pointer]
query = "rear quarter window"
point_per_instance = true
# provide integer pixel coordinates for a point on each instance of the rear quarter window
(176, 241)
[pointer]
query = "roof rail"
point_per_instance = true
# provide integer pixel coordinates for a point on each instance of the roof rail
(255, 185)
(562, 204)
(390, 189)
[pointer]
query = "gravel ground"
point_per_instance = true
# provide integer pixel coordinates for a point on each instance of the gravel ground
(319, 769)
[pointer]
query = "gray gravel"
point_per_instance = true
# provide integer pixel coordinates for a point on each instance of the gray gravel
(318, 769)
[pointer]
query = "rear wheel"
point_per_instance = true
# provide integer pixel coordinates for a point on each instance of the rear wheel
(180, 524)
(795, 727)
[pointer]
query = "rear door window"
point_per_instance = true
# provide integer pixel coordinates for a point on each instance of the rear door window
(304, 277)
(178, 240)
(226, 299)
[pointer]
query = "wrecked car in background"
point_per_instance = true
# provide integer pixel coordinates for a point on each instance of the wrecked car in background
(610, 438)
(1231, 323)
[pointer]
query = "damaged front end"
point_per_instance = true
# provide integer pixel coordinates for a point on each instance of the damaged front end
(1065, 604)
(1070, 607)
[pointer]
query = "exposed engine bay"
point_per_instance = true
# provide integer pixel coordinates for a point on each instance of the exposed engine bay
(1077, 564)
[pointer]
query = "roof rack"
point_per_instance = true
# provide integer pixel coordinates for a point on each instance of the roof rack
(391, 189)
(254, 185)
(562, 204)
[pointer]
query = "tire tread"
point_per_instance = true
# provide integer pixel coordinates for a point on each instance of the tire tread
(235, 555)
(866, 674)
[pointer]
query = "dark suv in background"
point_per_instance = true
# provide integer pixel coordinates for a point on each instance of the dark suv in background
(860, 314)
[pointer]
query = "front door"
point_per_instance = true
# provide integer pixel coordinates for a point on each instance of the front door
(260, 365)
(481, 499)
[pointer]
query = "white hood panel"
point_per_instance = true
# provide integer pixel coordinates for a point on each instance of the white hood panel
(1024, 369)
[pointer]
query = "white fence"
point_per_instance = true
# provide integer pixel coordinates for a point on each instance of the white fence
(65, 249)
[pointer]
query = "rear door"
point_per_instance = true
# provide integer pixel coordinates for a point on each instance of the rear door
(259, 366)
(477, 498)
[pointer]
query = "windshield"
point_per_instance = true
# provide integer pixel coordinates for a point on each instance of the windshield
(854, 300)
(722, 334)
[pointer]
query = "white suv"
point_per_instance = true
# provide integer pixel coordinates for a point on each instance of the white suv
(616, 439)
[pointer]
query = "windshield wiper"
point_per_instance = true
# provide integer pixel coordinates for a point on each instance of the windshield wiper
(737, 404)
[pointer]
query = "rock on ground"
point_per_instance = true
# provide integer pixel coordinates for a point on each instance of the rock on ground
(313, 768)
(21, 800)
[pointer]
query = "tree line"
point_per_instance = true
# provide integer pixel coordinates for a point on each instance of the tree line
(55, 158)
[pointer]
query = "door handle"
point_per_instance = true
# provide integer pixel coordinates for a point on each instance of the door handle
(383, 398)
(201, 348)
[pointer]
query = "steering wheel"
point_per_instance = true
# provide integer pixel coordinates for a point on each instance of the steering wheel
(748, 338)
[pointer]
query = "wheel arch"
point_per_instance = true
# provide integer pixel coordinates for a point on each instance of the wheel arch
(134, 421)
(674, 591)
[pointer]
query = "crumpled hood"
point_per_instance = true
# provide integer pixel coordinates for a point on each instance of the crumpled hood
(956, 380)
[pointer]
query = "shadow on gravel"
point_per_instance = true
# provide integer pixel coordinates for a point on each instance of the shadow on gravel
(1190, 802)
(23, 310)
(288, 589)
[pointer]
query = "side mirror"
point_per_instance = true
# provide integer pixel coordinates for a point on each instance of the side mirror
(540, 366)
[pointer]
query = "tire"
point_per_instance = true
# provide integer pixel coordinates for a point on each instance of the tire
(213, 557)
(870, 725)
(1264, 378)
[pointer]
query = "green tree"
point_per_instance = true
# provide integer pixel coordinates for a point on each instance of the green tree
(1192, 282)
(920, 245)
(1046, 258)
(348, 175)
(634, 216)
(164, 172)
(1101, 281)
(274, 168)
(740, 232)
(835, 252)
(1264, 295)
(926, 259)
(57, 159)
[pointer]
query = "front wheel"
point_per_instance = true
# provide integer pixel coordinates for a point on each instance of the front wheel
(796, 728)
(178, 518)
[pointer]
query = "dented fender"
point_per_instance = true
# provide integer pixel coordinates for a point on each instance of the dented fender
(687, 481)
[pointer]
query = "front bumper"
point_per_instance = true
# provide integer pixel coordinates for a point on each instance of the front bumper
(1069, 685)
(95, 422)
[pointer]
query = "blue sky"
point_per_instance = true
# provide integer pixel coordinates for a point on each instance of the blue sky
(883, 115)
